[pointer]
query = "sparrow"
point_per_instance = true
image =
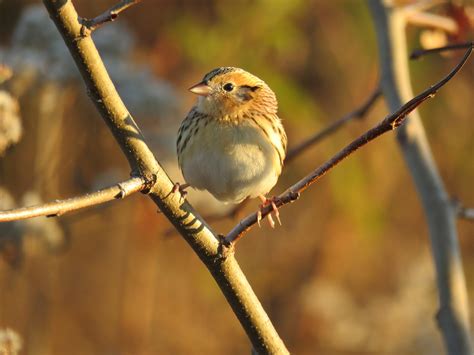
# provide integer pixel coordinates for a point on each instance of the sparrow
(232, 142)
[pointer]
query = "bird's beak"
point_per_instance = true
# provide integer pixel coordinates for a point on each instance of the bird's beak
(201, 89)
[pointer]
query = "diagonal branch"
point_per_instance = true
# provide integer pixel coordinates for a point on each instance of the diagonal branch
(205, 243)
(60, 207)
(389, 123)
(359, 113)
(110, 15)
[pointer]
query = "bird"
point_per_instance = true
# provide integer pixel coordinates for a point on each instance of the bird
(232, 142)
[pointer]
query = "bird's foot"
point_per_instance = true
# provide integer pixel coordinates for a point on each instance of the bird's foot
(266, 202)
(181, 188)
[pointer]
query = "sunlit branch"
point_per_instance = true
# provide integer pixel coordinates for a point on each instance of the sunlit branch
(110, 15)
(389, 123)
(60, 207)
(204, 242)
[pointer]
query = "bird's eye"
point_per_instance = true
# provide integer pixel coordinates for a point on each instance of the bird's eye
(229, 87)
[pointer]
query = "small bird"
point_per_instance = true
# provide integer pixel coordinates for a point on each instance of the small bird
(232, 143)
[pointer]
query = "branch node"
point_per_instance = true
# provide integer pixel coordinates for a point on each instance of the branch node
(86, 27)
(294, 195)
(90, 25)
(149, 182)
(225, 248)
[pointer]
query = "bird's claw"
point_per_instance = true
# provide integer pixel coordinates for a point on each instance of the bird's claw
(277, 213)
(265, 203)
(181, 188)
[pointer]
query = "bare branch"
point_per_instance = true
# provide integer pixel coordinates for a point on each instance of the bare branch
(387, 124)
(359, 112)
(110, 15)
(453, 314)
(60, 207)
(219, 260)
(421, 52)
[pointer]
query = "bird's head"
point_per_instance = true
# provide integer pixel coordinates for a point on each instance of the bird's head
(229, 93)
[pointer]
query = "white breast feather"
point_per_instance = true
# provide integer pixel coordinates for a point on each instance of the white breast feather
(231, 162)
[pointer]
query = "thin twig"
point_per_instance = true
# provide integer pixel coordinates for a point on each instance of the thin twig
(455, 46)
(60, 207)
(358, 113)
(389, 123)
(110, 15)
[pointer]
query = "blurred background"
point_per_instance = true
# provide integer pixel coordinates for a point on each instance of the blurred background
(350, 270)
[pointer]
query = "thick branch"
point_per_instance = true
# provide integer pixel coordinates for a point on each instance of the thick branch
(60, 207)
(107, 16)
(389, 123)
(220, 262)
(453, 315)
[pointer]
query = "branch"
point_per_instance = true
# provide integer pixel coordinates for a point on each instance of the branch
(453, 314)
(359, 112)
(110, 15)
(421, 52)
(60, 207)
(389, 123)
(205, 243)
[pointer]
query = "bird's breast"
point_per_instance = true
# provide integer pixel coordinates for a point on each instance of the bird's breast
(231, 161)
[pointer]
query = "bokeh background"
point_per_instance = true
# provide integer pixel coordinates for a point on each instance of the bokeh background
(350, 270)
